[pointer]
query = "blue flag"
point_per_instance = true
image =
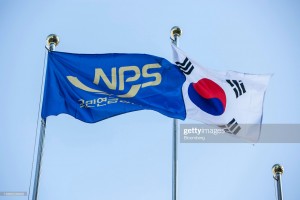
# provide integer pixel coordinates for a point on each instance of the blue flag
(93, 87)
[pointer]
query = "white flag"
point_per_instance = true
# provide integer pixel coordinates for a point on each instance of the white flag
(231, 100)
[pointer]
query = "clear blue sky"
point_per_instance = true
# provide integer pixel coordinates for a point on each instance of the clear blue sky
(129, 156)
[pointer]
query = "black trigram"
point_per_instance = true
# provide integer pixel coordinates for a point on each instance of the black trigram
(187, 67)
(232, 127)
(237, 86)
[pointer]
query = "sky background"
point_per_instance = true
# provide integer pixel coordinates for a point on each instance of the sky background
(129, 156)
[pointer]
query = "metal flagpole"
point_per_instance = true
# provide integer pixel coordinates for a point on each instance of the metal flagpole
(52, 42)
(175, 33)
(277, 172)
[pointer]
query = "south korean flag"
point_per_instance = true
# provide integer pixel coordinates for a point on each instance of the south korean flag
(231, 100)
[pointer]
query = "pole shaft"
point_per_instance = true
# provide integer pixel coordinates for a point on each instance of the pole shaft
(174, 161)
(39, 160)
(174, 149)
(279, 187)
(52, 46)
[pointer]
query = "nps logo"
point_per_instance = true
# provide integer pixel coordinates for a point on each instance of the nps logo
(208, 96)
(134, 78)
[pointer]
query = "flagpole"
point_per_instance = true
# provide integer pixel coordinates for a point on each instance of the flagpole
(277, 172)
(175, 34)
(52, 42)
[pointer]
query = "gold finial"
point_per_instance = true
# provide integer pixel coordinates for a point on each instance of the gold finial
(52, 39)
(277, 169)
(175, 32)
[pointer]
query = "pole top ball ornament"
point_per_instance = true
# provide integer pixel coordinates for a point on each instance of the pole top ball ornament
(52, 39)
(277, 169)
(175, 32)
